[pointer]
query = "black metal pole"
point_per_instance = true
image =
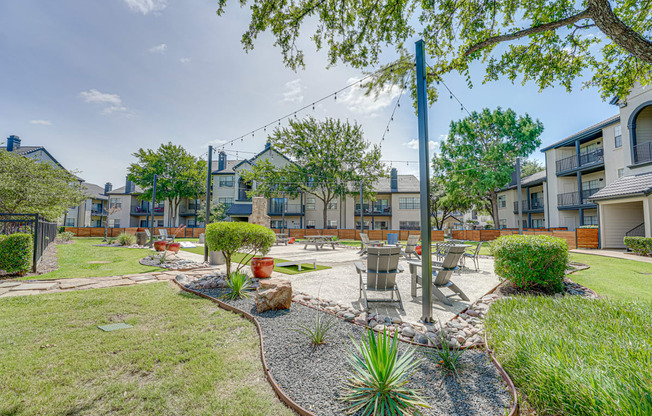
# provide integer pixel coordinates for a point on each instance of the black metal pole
(518, 191)
(151, 211)
(361, 215)
(209, 176)
(35, 253)
(283, 213)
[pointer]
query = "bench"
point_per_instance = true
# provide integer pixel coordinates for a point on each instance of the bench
(298, 263)
(319, 244)
(282, 240)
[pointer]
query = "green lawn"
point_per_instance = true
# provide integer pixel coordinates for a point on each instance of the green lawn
(75, 260)
(576, 356)
(182, 356)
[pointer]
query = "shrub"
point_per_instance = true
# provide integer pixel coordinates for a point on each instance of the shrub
(589, 226)
(531, 261)
(240, 284)
(317, 333)
(16, 253)
(234, 237)
(376, 383)
(126, 239)
(639, 245)
(446, 356)
(66, 235)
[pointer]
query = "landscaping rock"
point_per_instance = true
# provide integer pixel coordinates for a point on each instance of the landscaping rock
(420, 339)
(408, 332)
(273, 294)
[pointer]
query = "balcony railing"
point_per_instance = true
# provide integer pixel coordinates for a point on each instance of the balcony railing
(573, 198)
(146, 211)
(643, 152)
(290, 209)
(586, 158)
(96, 211)
(374, 210)
(535, 204)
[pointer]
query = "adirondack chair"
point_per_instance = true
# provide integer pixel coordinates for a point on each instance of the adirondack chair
(379, 274)
(410, 247)
(366, 243)
(441, 274)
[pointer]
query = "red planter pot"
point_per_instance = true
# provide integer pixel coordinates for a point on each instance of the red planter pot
(174, 247)
(417, 249)
(262, 267)
(160, 245)
(291, 240)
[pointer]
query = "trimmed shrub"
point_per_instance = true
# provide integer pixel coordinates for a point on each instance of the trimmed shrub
(234, 237)
(531, 261)
(126, 239)
(639, 245)
(16, 253)
(66, 235)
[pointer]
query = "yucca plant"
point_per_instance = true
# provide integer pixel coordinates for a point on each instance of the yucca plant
(239, 285)
(446, 356)
(376, 382)
(317, 333)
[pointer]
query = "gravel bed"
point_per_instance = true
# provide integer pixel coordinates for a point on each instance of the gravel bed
(313, 377)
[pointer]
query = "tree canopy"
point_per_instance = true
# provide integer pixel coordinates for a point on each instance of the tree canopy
(180, 175)
(331, 159)
(530, 167)
(479, 153)
(445, 200)
(28, 186)
(550, 42)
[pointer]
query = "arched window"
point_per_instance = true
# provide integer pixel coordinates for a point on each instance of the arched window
(640, 133)
(243, 188)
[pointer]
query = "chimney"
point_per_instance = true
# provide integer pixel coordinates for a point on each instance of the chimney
(13, 143)
(129, 186)
(268, 145)
(394, 180)
(221, 161)
(108, 187)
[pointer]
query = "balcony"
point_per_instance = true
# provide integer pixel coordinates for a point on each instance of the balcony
(571, 199)
(158, 211)
(595, 157)
(535, 205)
(374, 209)
(643, 152)
(98, 212)
(290, 209)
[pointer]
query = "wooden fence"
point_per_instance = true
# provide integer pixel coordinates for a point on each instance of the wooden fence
(580, 238)
(114, 232)
(349, 234)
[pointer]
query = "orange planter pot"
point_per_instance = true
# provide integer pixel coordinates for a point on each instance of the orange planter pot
(160, 245)
(174, 247)
(291, 240)
(262, 267)
(417, 249)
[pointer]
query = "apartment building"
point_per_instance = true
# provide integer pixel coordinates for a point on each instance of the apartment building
(396, 204)
(533, 203)
(92, 212)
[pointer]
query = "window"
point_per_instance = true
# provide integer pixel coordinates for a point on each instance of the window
(332, 224)
(408, 225)
(502, 223)
(116, 223)
(310, 224)
(277, 224)
(193, 204)
(593, 184)
(226, 201)
(144, 223)
(191, 223)
(96, 223)
(366, 225)
(502, 201)
(618, 136)
(537, 223)
(115, 203)
(621, 172)
(590, 220)
(226, 182)
(380, 225)
(332, 205)
(70, 222)
(408, 203)
(310, 204)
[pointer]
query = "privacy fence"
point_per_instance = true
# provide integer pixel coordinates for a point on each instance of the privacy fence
(114, 232)
(580, 238)
(350, 234)
(43, 232)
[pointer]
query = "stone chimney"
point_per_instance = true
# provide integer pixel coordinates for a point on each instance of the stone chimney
(394, 180)
(221, 161)
(13, 143)
(108, 187)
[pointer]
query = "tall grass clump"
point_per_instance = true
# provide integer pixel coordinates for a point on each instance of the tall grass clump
(126, 239)
(317, 333)
(239, 285)
(576, 356)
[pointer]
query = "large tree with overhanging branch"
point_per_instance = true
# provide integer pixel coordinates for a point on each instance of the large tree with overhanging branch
(479, 154)
(330, 159)
(547, 41)
(180, 174)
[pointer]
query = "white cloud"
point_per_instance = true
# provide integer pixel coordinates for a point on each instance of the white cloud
(41, 122)
(359, 102)
(184, 60)
(112, 102)
(159, 48)
(293, 91)
(414, 145)
(146, 6)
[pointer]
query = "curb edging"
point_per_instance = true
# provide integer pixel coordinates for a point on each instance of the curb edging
(503, 373)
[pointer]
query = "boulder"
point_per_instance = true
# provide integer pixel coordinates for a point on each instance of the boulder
(273, 294)
(141, 238)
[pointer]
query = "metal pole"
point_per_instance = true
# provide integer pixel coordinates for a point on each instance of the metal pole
(36, 241)
(283, 213)
(424, 176)
(518, 190)
(209, 176)
(361, 215)
(151, 210)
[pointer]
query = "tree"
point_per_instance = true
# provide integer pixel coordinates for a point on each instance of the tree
(549, 42)
(530, 167)
(180, 175)
(331, 159)
(443, 200)
(28, 186)
(479, 153)
(217, 214)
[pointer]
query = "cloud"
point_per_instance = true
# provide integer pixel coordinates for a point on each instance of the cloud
(414, 145)
(293, 91)
(146, 6)
(41, 122)
(159, 48)
(184, 60)
(112, 102)
(359, 102)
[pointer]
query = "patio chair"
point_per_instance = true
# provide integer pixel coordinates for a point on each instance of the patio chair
(163, 235)
(392, 239)
(366, 243)
(379, 275)
(410, 247)
(475, 256)
(442, 273)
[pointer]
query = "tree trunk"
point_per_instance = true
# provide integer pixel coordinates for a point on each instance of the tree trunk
(325, 214)
(494, 208)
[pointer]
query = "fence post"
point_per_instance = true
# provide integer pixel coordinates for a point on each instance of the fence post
(35, 253)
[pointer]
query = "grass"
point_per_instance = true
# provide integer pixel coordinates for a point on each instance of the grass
(75, 260)
(576, 356)
(182, 356)
(615, 278)
(239, 258)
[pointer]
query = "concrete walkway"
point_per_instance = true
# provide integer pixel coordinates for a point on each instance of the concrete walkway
(616, 254)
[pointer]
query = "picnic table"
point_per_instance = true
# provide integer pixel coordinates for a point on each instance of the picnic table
(282, 238)
(319, 241)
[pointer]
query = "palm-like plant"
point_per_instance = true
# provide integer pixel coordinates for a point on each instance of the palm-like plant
(446, 356)
(376, 383)
(317, 333)
(239, 285)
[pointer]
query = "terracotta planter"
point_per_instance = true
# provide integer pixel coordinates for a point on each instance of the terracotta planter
(262, 267)
(417, 250)
(291, 240)
(160, 245)
(174, 247)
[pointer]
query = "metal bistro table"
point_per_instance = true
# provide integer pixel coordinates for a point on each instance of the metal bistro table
(319, 241)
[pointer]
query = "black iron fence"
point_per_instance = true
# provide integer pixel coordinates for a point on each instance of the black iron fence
(43, 232)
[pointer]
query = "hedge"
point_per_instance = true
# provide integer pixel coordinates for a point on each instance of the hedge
(531, 261)
(16, 253)
(639, 245)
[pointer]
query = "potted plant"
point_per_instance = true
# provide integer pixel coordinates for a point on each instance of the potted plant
(160, 245)
(173, 247)
(262, 267)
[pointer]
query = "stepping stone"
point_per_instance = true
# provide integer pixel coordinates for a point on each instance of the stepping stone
(14, 293)
(10, 284)
(142, 278)
(74, 283)
(114, 327)
(35, 286)
(110, 283)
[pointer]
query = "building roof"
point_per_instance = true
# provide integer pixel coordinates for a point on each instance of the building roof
(583, 134)
(627, 186)
(406, 184)
(94, 191)
(121, 191)
(230, 164)
(530, 180)
(239, 209)
(27, 150)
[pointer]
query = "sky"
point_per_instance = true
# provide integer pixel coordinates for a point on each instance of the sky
(95, 80)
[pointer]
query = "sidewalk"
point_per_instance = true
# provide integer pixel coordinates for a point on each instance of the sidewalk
(616, 254)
